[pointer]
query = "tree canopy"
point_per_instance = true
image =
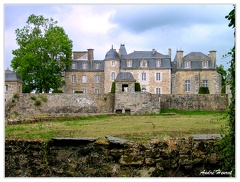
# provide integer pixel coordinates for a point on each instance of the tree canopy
(44, 52)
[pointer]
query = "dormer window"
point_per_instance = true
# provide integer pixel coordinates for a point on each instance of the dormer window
(129, 63)
(205, 64)
(143, 64)
(84, 66)
(73, 65)
(187, 65)
(158, 63)
(97, 66)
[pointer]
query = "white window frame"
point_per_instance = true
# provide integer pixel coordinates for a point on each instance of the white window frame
(74, 66)
(205, 83)
(74, 78)
(113, 63)
(84, 66)
(158, 76)
(97, 91)
(205, 64)
(144, 76)
(84, 79)
(129, 63)
(158, 63)
(187, 64)
(113, 76)
(97, 66)
(97, 79)
(187, 85)
(158, 90)
(143, 64)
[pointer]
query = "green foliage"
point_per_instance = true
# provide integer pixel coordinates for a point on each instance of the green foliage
(220, 70)
(44, 52)
(37, 103)
(33, 97)
(78, 92)
(113, 88)
(57, 91)
(226, 146)
(16, 96)
(203, 90)
(43, 98)
(137, 87)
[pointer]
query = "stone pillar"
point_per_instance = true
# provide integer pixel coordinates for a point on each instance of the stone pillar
(213, 57)
(179, 58)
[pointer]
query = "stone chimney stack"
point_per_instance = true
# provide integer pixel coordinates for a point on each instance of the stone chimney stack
(153, 51)
(213, 57)
(179, 58)
(90, 55)
(170, 52)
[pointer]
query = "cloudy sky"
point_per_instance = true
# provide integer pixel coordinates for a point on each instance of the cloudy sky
(191, 28)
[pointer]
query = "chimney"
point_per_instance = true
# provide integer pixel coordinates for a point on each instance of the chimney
(170, 53)
(90, 55)
(153, 51)
(213, 57)
(179, 58)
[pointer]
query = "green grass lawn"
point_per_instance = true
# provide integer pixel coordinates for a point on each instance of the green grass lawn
(135, 128)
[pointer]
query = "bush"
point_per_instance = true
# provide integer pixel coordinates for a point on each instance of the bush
(203, 90)
(57, 91)
(16, 96)
(113, 88)
(37, 103)
(43, 98)
(33, 97)
(78, 92)
(137, 87)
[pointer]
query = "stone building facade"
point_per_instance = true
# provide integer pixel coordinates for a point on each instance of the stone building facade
(13, 84)
(155, 72)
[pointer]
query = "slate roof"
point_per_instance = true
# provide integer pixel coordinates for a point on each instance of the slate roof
(196, 56)
(90, 66)
(125, 76)
(112, 55)
(144, 54)
(12, 76)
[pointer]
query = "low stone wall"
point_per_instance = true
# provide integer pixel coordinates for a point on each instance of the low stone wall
(114, 157)
(193, 101)
(60, 103)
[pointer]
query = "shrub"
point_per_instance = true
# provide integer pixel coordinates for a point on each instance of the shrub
(113, 88)
(137, 87)
(43, 98)
(57, 91)
(16, 96)
(78, 92)
(33, 97)
(203, 90)
(37, 103)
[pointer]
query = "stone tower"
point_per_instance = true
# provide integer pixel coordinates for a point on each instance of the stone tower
(111, 68)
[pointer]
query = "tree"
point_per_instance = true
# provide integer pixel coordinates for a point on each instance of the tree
(44, 52)
(220, 70)
(227, 143)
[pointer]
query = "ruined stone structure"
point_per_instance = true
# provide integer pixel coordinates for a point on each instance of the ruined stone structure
(13, 84)
(154, 71)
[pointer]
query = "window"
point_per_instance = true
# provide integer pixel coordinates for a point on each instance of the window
(113, 76)
(84, 91)
(158, 76)
(73, 78)
(129, 63)
(205, 64)
(158, 90)
(97, 91)
(97, 79)
(84, 66)
(143, 76)
(113, 63)
(73, 91)
(6, 88)
(73, 66)
(187, 64)
(97, 66)
(143, 64)
(187, 85)
(84, 79)
(205, 83)
(158, 63)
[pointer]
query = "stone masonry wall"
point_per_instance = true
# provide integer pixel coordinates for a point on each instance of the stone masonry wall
(60, 104)
(82, 157)
(193, 101)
